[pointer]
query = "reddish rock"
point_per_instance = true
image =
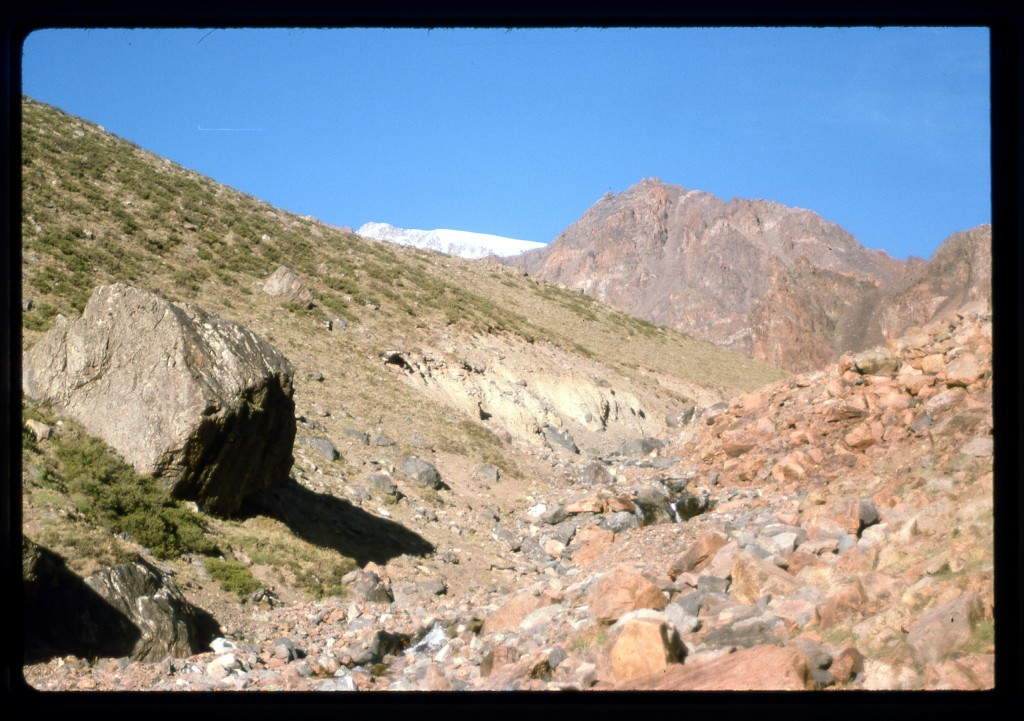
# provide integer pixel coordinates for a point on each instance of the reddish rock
(642, 643)
(512, 613)
(591, 504)
(736, 448)
(861, 437)
(621, 590)
(847, 665)
(617, 504)
(753, 577)
(761, 668)
(434, 680)
(840, 605)
(940, 631)
(964, 371)
(954, 675)
(913, 384)
(932, 364)
(497, 657)
(553, 547)
(799, 560)
(520, 673)
(721, 563)
(589, 543)
(698, 554)
(788, 469)
(852, 515)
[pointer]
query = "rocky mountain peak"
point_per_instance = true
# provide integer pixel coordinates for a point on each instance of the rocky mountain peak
(781, 284)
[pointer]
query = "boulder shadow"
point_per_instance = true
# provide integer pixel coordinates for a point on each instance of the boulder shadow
(330, 522)
(64, 616)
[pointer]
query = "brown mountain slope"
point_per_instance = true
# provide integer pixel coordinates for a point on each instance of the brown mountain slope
(959, 272)
(780, 284)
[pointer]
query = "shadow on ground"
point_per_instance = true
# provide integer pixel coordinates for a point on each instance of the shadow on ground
(331, 522)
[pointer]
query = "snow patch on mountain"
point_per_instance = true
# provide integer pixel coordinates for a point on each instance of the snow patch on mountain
(462, 243)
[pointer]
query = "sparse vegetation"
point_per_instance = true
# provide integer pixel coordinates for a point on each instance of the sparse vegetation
(108, 493)
(317, 571)
(232, 576)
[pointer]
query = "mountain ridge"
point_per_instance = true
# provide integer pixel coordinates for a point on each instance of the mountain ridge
(733, 272)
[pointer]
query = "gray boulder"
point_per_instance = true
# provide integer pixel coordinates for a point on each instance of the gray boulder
(873, 361)
(596, 473)
(365, 585)
(486, 473)
(322, 446)
(654, 506)
(422, 472)
(639, 446)
(680, 416)
(203, 404)
(560, 438)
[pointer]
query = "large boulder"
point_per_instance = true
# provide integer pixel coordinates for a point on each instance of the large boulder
(762, 668)
(167, 624)
(129, 609)
(201, 403)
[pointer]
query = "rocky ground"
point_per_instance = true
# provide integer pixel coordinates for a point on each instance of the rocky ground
(830, 531)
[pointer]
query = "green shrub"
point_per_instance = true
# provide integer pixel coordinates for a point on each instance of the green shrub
(232, 576)
(110, 492)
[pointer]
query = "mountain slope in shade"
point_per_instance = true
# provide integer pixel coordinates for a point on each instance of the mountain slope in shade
(780, 284)
(959, 272)
(462, 243)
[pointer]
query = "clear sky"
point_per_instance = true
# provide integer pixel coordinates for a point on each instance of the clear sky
(517, 132)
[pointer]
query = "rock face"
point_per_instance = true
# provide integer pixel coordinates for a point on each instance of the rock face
(780, 284)
(203, 404)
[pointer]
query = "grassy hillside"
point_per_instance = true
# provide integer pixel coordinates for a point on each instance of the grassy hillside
(97, 209)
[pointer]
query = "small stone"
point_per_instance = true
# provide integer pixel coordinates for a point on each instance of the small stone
(40, 430)
(486, 473)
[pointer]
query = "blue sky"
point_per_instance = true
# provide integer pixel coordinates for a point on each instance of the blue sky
(518, 132)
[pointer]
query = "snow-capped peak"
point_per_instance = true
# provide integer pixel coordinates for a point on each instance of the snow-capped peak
(462, 243)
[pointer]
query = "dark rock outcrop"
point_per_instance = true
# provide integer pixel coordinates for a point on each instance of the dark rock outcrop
(202, 403)
(129, 609)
